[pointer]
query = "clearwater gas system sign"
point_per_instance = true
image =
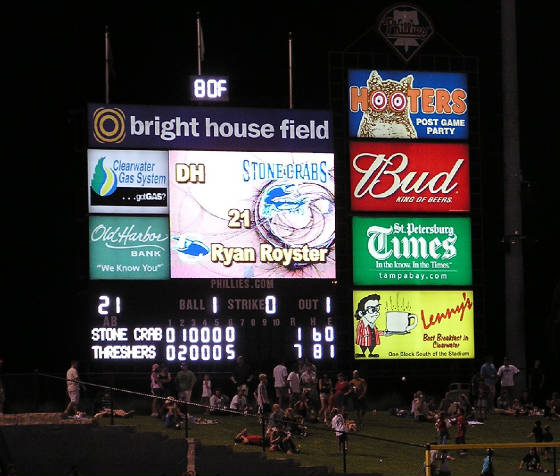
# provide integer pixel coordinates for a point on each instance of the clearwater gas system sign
(413, 324)
(252, 214)
(407, 105)
(127, 181)
(393, 250)
(409, 177)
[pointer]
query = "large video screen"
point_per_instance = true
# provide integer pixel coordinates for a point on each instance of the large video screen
(391, 324)
(252, 214)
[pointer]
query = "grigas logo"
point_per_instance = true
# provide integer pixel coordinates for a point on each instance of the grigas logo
(108, 125)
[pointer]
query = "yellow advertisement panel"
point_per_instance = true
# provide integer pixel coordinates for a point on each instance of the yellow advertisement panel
(392, 324)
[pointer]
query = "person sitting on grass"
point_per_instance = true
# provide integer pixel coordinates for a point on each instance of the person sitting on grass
(105, 410)
(294, 423)
(281, 440)
(531, 461)
(173, 416)
(219, 403)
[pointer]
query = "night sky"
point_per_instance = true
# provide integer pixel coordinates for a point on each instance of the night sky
(55, 66)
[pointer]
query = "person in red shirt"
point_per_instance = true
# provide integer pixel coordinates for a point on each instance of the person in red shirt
(461, 430)
(341, 389)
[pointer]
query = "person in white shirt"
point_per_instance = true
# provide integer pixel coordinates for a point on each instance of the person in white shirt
(239, 401)
(218, 401)
(339, 428)
(280, 374)
(72, 388)
(294, 383)
(507, 374)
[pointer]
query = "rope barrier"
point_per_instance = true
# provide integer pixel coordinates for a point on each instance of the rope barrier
(224, 410)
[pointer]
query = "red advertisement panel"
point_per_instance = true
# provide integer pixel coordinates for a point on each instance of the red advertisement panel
(409, 177)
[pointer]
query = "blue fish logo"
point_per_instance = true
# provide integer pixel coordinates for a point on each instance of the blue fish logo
(190, 249)
(281, 198)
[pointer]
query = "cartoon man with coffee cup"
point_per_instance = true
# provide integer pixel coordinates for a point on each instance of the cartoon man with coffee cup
(367, 334)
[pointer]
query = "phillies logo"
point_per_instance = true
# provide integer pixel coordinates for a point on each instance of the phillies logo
(409, 177)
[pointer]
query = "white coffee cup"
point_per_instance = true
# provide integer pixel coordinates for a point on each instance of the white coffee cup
(400, 321)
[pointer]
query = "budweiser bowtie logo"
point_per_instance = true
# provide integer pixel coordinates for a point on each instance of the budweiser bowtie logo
(389, 176)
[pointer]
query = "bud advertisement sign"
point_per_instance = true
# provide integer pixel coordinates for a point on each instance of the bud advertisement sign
(407, 105)
(127, 181)
(252, 214)
(413, 324)
(409, 177)
(394, 250)
(122, 247)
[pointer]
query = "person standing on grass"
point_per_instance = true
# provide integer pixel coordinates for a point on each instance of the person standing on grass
(294, 383)
(442, 428)
(280, 374)
(488, 463)
(156, 390)
(184, 382)
(462, 424)
(339, 428)
(489, 375)
(72, 388)
(2, 391)
(359, 389)
(263, 402)
(507, 374)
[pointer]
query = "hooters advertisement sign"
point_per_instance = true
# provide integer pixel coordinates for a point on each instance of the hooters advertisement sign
(409, 177)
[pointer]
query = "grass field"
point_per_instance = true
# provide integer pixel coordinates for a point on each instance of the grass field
(388, 445)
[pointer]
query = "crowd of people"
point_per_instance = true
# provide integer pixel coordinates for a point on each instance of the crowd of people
(287, 399)
(292, 397)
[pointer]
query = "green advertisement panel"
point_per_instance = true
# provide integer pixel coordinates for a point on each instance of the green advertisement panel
(128, 247)
(427, 251)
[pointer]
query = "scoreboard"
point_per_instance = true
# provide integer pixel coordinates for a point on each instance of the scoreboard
(211, 321)
(211, 234)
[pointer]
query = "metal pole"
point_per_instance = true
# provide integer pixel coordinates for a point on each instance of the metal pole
(112, 407)
(187, 423)
(290, 70)
(199, 43)
(513, 279)
(263, 432)
(427, 462)
(106, 64)
(344, 448)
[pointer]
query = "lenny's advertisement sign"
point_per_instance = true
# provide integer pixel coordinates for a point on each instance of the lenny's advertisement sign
(407, 105)
(127, 247)
(409, 177)
(393, 250)
(413, 324)
(252, 214)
